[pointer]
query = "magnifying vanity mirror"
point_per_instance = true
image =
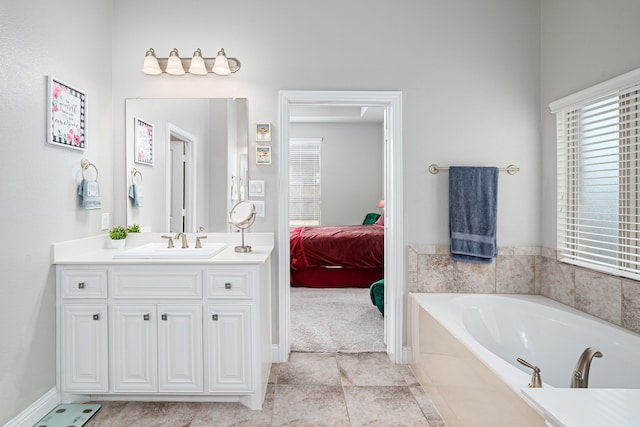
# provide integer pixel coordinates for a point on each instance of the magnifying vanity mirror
(242, 215)
(188, 161)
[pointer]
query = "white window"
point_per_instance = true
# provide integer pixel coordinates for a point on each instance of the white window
(304, 182)
(599, 177)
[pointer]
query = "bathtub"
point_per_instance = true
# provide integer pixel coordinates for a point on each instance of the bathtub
(463, 348)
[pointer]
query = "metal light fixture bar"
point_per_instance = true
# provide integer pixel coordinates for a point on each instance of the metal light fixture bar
(234, 64)
(195, 65)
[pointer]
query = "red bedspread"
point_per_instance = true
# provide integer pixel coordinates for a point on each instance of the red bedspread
(354, 246)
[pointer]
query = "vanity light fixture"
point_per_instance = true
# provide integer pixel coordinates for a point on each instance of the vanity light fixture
(197, 64)
(174, 64)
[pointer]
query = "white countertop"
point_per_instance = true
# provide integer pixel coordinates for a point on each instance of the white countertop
(93, 250)
(587, 407)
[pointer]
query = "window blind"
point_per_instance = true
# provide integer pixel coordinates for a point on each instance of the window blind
(304, 182)
(598, 183)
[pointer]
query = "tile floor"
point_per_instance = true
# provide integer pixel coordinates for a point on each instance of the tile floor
(312, 389)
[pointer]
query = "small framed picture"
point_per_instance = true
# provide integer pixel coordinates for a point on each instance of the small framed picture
(263, 132)
(263, 155)
(66, 115)
(143, 141)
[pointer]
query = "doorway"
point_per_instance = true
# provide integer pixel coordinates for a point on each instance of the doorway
(391, 102)
(180, 174)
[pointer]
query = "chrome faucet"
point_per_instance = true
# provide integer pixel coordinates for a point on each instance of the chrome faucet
(580, 377)
(184, 239)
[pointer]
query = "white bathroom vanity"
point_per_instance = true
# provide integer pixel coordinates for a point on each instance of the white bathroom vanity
(183, 329)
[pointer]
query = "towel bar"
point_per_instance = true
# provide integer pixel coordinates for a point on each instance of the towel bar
(511, 169)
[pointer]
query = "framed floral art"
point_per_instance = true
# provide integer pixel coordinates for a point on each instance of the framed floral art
(263, 155)
(263, 132)
(66, 115)
(143, 141)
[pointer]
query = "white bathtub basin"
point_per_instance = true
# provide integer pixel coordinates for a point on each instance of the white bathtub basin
(161, 251)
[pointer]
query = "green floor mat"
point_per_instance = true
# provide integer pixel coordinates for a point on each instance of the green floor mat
(69, 415)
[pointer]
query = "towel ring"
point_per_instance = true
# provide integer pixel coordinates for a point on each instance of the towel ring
(84, 163)
(135, 172)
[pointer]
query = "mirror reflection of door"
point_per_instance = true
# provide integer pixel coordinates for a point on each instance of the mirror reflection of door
(180, 191)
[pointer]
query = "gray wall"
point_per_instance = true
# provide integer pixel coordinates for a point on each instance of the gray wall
(584, 42)
(71, 40)
(470, 73)
(351, 169)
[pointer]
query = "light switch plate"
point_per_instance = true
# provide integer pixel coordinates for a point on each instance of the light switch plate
(256, 188)
(259, 204)
(105, 222)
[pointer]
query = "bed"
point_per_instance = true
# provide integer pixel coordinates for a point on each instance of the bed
(337, 257)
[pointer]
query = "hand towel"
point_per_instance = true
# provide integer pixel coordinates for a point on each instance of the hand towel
(89, 190)
(136, 194)
(473, 213)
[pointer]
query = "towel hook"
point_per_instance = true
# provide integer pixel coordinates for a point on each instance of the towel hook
(135, 172)
(84, 163)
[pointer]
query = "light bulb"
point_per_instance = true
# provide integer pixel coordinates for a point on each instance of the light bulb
(221, 65)
(150, 65)
(174, 64)
(197, 64)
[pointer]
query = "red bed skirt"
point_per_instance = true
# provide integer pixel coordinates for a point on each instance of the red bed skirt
(321, 277)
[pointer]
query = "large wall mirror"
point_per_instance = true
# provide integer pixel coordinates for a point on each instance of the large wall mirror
(186, 162)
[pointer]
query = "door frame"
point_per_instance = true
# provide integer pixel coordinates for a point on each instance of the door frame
(394, 267)
(190, 178)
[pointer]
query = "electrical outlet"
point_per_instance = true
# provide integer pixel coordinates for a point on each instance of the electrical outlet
(105, 221)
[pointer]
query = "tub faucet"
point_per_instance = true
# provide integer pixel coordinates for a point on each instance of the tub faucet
(536, 379)
(580, 377)
(184, 239)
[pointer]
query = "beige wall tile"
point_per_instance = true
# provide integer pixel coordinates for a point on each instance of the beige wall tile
(599, 294)
(631, 305)
(515, 275)
(436, 273)
(475, 278)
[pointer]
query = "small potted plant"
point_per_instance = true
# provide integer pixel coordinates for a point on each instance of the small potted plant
(118, 235)
(135, 228)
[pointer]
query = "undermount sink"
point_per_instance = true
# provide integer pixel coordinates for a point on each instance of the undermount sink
(160, 250)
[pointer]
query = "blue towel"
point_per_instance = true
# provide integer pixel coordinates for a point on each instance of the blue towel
(136, 194)
(473, 213)
(90, 193)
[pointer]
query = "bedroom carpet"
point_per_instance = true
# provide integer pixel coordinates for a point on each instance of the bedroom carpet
(341, 320)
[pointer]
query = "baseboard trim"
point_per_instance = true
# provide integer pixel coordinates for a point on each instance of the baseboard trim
(275, 353)
(36, 411)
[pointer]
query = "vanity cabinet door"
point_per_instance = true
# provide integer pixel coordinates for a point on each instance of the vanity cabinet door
(84, 348)
(134, 348)
(180, 348)
(229, 347)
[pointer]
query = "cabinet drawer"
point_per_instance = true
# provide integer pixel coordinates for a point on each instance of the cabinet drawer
(81, 283)
(228, 284)
(159, 283)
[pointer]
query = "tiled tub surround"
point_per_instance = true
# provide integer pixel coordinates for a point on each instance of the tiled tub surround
(463, 388)
(463, 348)
(528, 270)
